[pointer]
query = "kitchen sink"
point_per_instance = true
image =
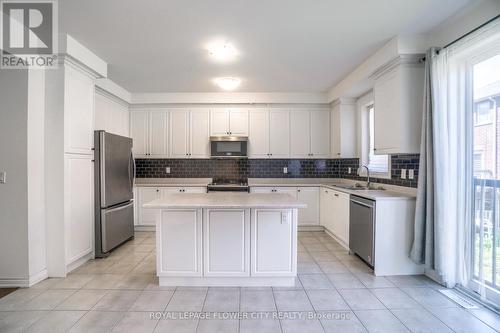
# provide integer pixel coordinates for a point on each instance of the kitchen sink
(359, 187)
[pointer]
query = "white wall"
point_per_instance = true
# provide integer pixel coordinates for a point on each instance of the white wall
(13, 160)
(464, 21)
(36, 179)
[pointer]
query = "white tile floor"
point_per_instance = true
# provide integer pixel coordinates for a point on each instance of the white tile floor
(119, 293)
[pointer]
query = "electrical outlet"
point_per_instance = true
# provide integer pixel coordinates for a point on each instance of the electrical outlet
(403, 173)
(348, 170)
(285, 170)
(3, 177)
(411, 174)
(167, 169)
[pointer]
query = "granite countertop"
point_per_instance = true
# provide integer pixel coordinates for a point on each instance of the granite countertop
(226, 200)
(390, 193)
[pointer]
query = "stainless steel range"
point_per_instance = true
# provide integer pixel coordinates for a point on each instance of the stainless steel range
(229, 185)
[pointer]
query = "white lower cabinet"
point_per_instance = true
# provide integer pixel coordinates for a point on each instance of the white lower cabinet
(142, 195)
(226, 242)
(334, 213)
(146, 217)
(309, 196)
(273, 243)
(180, 251)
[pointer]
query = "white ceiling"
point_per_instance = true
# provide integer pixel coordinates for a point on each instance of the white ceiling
(284, 45)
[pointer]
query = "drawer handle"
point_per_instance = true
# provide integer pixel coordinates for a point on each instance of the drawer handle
(336, 195)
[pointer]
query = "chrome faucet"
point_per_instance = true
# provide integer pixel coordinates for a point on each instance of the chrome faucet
(367, 175)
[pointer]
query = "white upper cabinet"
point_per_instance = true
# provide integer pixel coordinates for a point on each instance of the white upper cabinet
(300, 138)
(111, 115)
(279, 133)
(179, 133)
(139, 132)
(310, 133)
(224, 121)
(258, 138)
(189, 137)
(149, 132)
(398, 94)
(79, 112)
(320, 133)
(238, 122)
(343, 127)
(269, 133)
(158, 130)
(199, 133)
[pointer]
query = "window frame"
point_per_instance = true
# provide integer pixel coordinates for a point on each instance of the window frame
(365, 102)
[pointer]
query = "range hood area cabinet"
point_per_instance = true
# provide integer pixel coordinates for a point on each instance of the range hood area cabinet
(229, 121)
(398, 95)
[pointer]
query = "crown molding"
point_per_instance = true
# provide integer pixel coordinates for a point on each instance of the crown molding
(229, 98)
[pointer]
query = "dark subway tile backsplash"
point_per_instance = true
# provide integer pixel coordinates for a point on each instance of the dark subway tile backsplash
(271, 168)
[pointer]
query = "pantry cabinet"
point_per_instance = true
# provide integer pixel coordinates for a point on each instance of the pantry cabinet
(310, 133)
(269, 133)
(228, 121)
(398, 97)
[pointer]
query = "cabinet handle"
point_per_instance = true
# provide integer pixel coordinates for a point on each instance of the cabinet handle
(336, 194)
(338, 154)
(298, 190)
(157, 190)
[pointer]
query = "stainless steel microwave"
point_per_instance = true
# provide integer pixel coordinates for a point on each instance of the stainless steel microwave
(228, 146)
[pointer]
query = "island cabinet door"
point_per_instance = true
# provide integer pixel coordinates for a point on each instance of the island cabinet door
(179, 243)
(274, 242)
(226, 242)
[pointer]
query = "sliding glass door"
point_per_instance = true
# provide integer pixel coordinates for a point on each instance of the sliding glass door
(485, 122)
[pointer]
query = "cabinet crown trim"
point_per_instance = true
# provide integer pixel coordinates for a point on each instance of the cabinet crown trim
(408, 60)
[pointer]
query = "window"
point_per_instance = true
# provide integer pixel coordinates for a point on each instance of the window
(483, 113)
(378, 164)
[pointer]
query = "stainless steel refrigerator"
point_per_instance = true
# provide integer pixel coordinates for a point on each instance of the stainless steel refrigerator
(114, 180)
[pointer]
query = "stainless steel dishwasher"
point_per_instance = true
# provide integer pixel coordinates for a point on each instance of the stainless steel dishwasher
(362, 228)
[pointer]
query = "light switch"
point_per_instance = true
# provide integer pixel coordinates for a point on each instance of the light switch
(167, 169)
(403, 173)
(411, 174)
(3, 177)
(285, 170)
(284, 218)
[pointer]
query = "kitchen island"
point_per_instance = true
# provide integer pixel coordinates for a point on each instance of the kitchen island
(226, 239)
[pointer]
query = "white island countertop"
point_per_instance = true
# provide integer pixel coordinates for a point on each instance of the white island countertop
(225, 200)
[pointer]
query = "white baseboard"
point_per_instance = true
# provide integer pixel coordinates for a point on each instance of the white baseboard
(40, 276)
(14, 283)
(228, 281)
(78, 262)
(144, 228)
(310, 228)
(338, 240)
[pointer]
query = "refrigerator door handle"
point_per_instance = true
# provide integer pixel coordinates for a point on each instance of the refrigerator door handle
(131, 170)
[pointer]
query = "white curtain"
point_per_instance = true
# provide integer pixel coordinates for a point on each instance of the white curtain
(451, 169)
(444, 212)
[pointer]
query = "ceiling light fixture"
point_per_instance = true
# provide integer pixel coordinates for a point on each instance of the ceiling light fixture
(227, 83)
(222, 51)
